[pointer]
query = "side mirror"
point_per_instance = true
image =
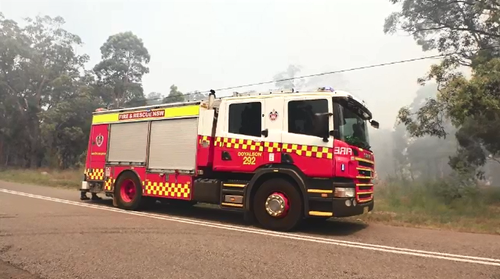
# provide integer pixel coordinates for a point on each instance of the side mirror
(335, 133)
(321, 125)
(374, 124)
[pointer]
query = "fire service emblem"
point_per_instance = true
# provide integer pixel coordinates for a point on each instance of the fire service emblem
(273, 115)
(99, 140)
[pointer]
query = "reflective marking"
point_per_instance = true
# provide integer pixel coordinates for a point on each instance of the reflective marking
(319, 191)
(234, 185)
(320, 213)
(231, 204)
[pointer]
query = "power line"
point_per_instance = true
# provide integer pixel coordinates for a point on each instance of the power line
(331, 72)
(311, 75)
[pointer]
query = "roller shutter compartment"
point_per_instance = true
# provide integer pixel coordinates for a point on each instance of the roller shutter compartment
(173, 144)
(128, 142)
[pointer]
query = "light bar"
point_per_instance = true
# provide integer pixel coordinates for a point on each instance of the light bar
(326, 88)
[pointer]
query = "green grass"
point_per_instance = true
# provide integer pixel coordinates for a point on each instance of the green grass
(46, 177)
(409, 204)
(424, 205)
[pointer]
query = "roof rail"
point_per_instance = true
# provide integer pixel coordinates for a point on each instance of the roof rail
(254, 93)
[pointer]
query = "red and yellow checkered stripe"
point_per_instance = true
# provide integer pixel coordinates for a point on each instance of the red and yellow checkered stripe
(166, 189)
(241, 144)
(272, 146)
(94, 174)
(109, 184)
(298, 149)
(309, 151)
(205, 140)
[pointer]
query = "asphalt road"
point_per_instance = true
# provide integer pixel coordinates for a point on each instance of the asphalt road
(48, 233)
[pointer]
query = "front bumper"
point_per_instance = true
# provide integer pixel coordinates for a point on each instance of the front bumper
(337, 207)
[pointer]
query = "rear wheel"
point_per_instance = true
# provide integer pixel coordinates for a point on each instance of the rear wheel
(278, 205)
(128, 191)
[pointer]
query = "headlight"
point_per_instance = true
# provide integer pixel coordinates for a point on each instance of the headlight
(344, 192)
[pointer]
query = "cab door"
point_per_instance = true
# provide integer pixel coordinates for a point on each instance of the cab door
(273, 123)
(238, 145)
(308, 152)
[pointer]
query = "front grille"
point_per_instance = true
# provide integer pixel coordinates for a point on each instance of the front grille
(365, 188)
(367, 173)
(364, 185)
(366, 197)
(365, 164)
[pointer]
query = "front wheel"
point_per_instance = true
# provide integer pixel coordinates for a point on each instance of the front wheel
(278, 205)
(128, 191)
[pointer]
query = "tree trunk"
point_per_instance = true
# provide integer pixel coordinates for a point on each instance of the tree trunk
(35, 144)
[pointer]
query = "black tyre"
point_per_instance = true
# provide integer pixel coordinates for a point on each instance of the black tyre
(278, 205)
(128, 191)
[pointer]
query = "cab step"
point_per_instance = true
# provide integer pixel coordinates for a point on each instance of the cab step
(232, 194)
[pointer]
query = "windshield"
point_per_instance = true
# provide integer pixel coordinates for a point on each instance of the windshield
(350, 124)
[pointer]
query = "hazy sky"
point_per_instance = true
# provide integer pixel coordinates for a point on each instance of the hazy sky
(199, 45)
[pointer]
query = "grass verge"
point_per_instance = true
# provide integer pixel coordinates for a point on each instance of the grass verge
(423, 204)
(46, 177)
(397, 203)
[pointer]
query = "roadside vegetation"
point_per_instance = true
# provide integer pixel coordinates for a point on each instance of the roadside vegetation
(437, 205)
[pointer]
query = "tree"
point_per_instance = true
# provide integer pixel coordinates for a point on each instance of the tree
(66, 128)
(174, 96)
(468, 33)
(39, 68)
(154, 98)
(449, 26)
(124, 60)
(197, 96)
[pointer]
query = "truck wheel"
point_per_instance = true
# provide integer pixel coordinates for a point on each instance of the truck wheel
(278, 205)
(128, 191)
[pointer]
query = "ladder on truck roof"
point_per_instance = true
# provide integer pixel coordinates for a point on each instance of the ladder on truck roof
(281, 91)
(246, 94)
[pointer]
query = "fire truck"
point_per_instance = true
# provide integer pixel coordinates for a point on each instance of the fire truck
(278, 157)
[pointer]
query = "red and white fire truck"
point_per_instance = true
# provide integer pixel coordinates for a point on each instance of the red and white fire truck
(279, 157)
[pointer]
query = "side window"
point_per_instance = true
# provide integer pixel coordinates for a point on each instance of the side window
(245, 119)
(302, 117)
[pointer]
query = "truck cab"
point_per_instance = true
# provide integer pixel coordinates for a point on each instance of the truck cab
(321, 137)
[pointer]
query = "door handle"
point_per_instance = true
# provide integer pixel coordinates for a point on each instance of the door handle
(265, 132)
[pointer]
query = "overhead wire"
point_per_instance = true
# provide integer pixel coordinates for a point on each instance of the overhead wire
(321, 74)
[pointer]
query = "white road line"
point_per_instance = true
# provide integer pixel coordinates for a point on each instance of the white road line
(294, 236)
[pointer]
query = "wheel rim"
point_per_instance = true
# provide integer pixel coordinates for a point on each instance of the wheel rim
(127, 190)
(277, 205)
